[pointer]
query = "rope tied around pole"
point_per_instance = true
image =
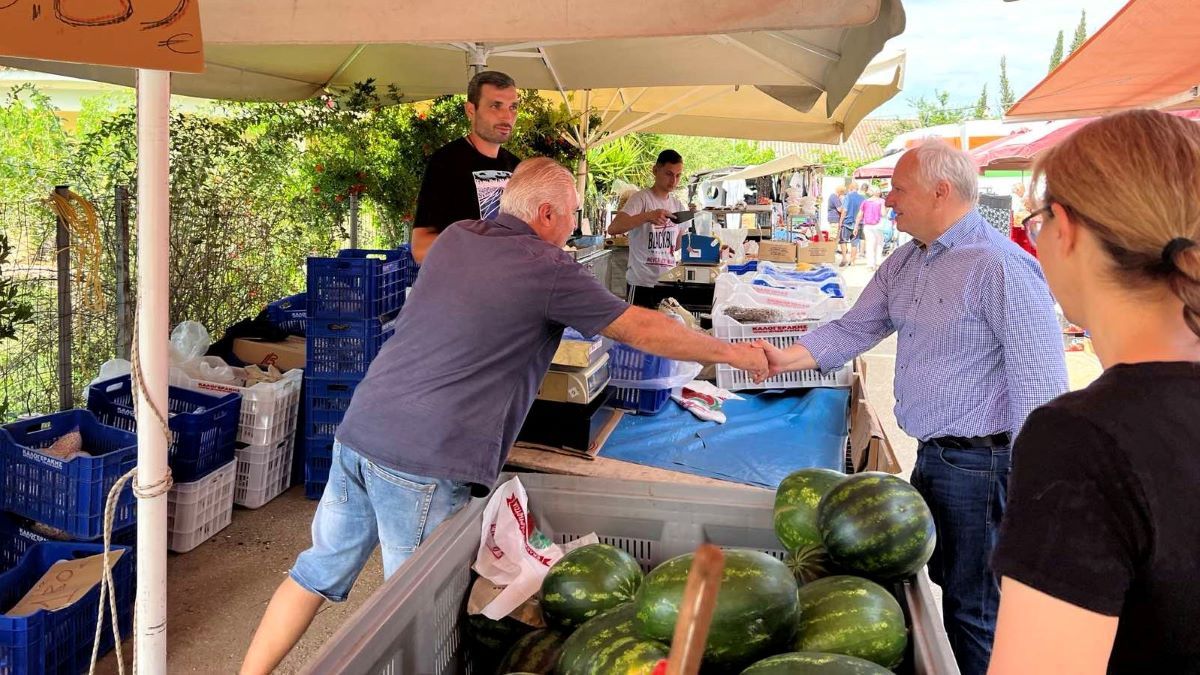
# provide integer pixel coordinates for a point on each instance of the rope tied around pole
(158, 488)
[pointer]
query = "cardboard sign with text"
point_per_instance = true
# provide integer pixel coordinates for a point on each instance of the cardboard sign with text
(64, 584)
(153, 34)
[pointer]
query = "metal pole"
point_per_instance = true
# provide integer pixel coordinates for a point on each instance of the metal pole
(153, 255)
(62, 241)
(124, 322)
(353, 221)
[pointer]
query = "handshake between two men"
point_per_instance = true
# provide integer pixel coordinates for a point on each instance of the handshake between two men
(764, 360)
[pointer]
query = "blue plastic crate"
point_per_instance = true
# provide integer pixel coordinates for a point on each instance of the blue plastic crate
(318, 459)
(342, 349)
(627, 363)
(17, 535)
(203, 426)
(290, 313)
(70, 495)
(59, 642)
(325, 404)
(358, 283)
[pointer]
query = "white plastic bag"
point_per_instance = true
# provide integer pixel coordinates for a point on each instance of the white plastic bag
(680, 374)
(189, 340)
(512, 552)
(108, 370)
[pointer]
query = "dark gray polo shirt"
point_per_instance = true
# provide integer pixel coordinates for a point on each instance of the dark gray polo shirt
(449, 391)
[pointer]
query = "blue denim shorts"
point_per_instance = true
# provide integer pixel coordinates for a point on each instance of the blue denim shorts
(365, 504)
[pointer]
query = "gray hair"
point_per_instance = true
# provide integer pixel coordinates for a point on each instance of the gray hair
(537, 181)
(938, 161)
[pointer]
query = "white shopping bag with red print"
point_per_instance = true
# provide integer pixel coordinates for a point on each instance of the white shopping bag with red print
(512, 552)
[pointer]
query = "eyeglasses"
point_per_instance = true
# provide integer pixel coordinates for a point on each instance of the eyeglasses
(1033, 222)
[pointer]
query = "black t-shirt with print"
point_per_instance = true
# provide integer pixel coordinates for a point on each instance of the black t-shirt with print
(462, 184)
(1104, 510)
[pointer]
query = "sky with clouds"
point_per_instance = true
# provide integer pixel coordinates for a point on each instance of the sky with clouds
(956, 45)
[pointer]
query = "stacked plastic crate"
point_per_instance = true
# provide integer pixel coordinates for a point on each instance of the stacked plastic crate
(353, 300)
(201, 455)
(55, 474)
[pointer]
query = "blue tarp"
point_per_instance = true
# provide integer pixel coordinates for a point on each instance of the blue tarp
(768, 435)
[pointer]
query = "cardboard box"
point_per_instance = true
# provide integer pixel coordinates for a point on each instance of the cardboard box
(777, 251)
(817, 252)
(284, 355)
(64, 584)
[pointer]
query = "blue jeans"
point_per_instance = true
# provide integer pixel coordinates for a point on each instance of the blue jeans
(966, 490)
(365, 504)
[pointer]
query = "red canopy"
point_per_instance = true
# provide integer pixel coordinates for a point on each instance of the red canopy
(1020, 150)
(1146, 56)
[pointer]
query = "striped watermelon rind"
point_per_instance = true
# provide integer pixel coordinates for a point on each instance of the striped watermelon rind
(815, 663)
(852, 616)
(796, 502)
(876, 525)
(609, 644)
(755, 613)
(587, 581)
(536, 652)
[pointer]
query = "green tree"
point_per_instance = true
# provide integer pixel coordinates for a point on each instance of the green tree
(981, 106)
(702, 154)
(837, 164)
(1056, 56)
(1081, 33)
(33, 145)
(1007, 98)
(931, 113)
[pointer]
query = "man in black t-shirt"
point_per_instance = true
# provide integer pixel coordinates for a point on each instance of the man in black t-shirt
(464, 178)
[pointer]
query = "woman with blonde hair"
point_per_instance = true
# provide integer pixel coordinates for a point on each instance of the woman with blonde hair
(1099, 551)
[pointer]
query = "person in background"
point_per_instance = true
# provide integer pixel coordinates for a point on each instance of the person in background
(433, 421)
(647, 220)
(850, 235)
(465, 178)
(833, 211)
(870, 223)
(1098, 550)
(1021, 219)
(979, 347)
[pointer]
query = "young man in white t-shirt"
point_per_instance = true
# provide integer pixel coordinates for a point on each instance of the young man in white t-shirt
(653, 236)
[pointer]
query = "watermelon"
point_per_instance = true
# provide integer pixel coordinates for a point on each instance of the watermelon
(537, 652)
(608, 644)
(852, 616)
(796, 503)
(814, 663)
(876, 525)
(755, 613)
(587, 581)
(488, 640)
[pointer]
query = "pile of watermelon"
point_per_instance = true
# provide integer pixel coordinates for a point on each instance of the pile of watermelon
(822, 611)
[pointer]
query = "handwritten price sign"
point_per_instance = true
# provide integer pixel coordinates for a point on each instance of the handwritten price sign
(154, 34)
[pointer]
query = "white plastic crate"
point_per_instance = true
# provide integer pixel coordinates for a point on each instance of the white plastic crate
(263, 472)
(413, 623)
(199, 509)
(268, 408)
(781, 335)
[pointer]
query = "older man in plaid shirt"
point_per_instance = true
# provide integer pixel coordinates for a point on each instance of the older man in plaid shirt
(979, 348)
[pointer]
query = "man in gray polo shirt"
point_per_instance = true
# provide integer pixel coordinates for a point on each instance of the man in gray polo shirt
(432, 422)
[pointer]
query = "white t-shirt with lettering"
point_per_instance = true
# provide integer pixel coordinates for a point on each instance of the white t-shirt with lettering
(651, 247)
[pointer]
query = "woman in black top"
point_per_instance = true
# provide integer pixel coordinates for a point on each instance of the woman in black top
(1099, 552)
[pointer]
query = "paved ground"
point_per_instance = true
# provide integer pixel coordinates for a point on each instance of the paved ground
(217, 592)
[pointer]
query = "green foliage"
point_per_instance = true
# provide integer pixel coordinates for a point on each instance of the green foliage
(1056, 56)
(1007, 97)
(1081, 32)
(981, 106)
(837, 164)
(33, 145)
(702, 154)
(14, 310)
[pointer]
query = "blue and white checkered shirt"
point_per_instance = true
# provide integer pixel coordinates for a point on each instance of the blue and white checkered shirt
(979, 342)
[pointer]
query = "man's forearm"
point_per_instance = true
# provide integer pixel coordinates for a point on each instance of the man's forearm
(624, 222)
(653, 332)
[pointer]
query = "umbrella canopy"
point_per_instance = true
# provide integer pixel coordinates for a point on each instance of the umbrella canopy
(880, 168)
(1145, 56)
(294, 49)
(1019, 151)
(759, 112)
(777, 165)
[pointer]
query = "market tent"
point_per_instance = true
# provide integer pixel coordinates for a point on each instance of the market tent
(880, 168)
(1145, 56)
(777, 165)
(1021, 150)
(295, 49)
(976, 133)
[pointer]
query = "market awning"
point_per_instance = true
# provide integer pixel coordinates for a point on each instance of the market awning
(777, 165)
(1145, 56)
(295, 49)
(758, 112)
(1019, 151)
(880, 168)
